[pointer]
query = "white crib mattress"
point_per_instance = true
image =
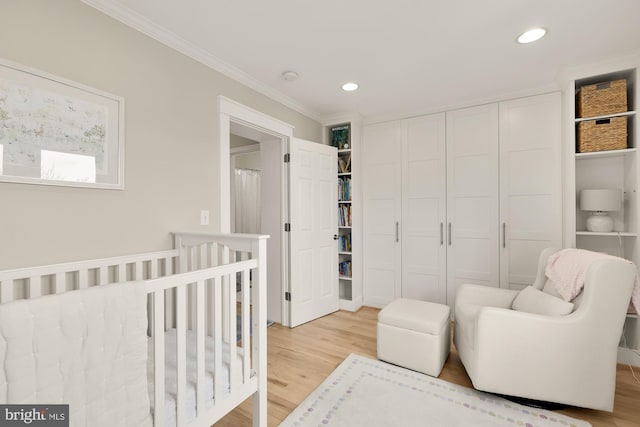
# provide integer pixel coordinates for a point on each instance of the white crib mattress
(170, 374)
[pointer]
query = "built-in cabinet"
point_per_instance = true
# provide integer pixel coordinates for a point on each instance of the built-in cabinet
(467, 196)
(606, 169)
(473, 224)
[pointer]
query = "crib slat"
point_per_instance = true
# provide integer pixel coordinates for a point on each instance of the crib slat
(213, 254)
(61, 283)
(158, 357)
(83, 278)
(168, 271)
(122, 273)
(35, 286)
(6, 286)
(217, 336)
(200, 346)
(138, 271)
(233, 331)
(246, 322)
(181, 355)
(103, 275)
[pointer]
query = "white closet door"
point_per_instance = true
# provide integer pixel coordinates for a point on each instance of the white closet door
(381, 216)
(530, 185)
(424, 257)
(472, 198)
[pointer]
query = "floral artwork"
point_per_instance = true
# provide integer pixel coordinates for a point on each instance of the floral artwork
(32, 120)
(57, 132)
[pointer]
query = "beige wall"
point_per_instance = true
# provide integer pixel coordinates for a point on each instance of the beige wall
(171, 129)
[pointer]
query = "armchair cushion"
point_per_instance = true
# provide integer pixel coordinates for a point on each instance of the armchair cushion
(532, 300)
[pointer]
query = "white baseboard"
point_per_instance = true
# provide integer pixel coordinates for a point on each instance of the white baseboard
(350, 305)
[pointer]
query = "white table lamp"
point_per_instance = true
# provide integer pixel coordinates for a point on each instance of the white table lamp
(600, 202)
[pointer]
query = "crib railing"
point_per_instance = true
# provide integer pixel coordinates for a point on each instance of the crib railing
(199, 286)
(32, 282)
(212, 268)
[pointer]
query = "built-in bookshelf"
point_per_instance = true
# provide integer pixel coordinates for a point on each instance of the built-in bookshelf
(340, 135)
(608, 168)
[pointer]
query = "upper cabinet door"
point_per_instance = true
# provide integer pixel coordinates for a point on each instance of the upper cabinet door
(530, 185)
(472, 198)
(424, 262)
(381, 153)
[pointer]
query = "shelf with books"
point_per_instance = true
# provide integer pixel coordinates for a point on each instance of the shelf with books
(344, 188)
(344, 134)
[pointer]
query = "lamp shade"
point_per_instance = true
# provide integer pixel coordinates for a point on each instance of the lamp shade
(600, 200)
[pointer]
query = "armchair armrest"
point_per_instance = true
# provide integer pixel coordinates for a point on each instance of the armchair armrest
(485, 296)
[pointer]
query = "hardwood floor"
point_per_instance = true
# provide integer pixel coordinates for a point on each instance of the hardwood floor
(300, 359)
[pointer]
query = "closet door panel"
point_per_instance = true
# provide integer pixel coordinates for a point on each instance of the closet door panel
(424, 209)
(381, 153)
(472, 198)
(530, 185)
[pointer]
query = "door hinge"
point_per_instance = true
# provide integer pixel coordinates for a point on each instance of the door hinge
(287, 158)
(287, 296)
(287, 227)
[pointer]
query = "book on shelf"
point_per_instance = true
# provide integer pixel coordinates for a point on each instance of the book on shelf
(344, 189)
(344, 166)
(344, 215)
(345, 268)
(340, 136)
(344, 243)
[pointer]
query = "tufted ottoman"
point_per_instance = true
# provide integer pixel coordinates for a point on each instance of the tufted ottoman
(414, 334)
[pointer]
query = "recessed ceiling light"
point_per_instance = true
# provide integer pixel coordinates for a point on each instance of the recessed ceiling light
(350, 87)
(531, 35)
(290, 76)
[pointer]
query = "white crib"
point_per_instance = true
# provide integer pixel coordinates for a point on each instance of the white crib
(208, 293)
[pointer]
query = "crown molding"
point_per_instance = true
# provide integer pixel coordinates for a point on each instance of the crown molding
(175, 42)
(407, 114)
(604, 66)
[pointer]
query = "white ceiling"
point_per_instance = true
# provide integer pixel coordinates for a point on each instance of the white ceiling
(409, 56)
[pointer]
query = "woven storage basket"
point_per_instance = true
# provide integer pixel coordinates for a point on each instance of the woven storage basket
(602, 98)
(601, 135)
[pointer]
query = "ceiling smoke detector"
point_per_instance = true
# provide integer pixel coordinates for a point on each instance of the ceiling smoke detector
(290, 76)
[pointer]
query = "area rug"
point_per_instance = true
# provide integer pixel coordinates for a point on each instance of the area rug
(367, 392)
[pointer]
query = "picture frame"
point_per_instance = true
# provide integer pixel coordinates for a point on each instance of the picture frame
(54, 131)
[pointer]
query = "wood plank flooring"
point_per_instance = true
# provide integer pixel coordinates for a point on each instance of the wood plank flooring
(300, 359)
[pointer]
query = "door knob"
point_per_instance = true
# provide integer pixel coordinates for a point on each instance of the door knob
(335, 237)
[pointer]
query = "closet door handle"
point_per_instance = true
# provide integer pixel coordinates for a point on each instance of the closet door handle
(504, 234)
(397, 231)
(441, 233)
(449, 234)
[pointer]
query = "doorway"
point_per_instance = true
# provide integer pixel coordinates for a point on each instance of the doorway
(256, 201)
(298, 200)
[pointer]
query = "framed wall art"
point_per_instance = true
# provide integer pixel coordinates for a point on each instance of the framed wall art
(57, 132)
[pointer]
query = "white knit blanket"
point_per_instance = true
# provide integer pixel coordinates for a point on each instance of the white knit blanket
(567, 269)
(86, 348)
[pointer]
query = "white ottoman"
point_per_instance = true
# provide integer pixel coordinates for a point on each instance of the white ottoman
(414, 334)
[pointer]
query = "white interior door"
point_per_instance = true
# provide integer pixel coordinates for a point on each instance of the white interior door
(472, 198)
(424, 254)
(313, 196)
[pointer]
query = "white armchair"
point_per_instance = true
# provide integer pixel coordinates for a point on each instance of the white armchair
(569, 359)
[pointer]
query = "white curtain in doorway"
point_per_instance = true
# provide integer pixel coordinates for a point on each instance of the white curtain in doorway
(247, 208)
